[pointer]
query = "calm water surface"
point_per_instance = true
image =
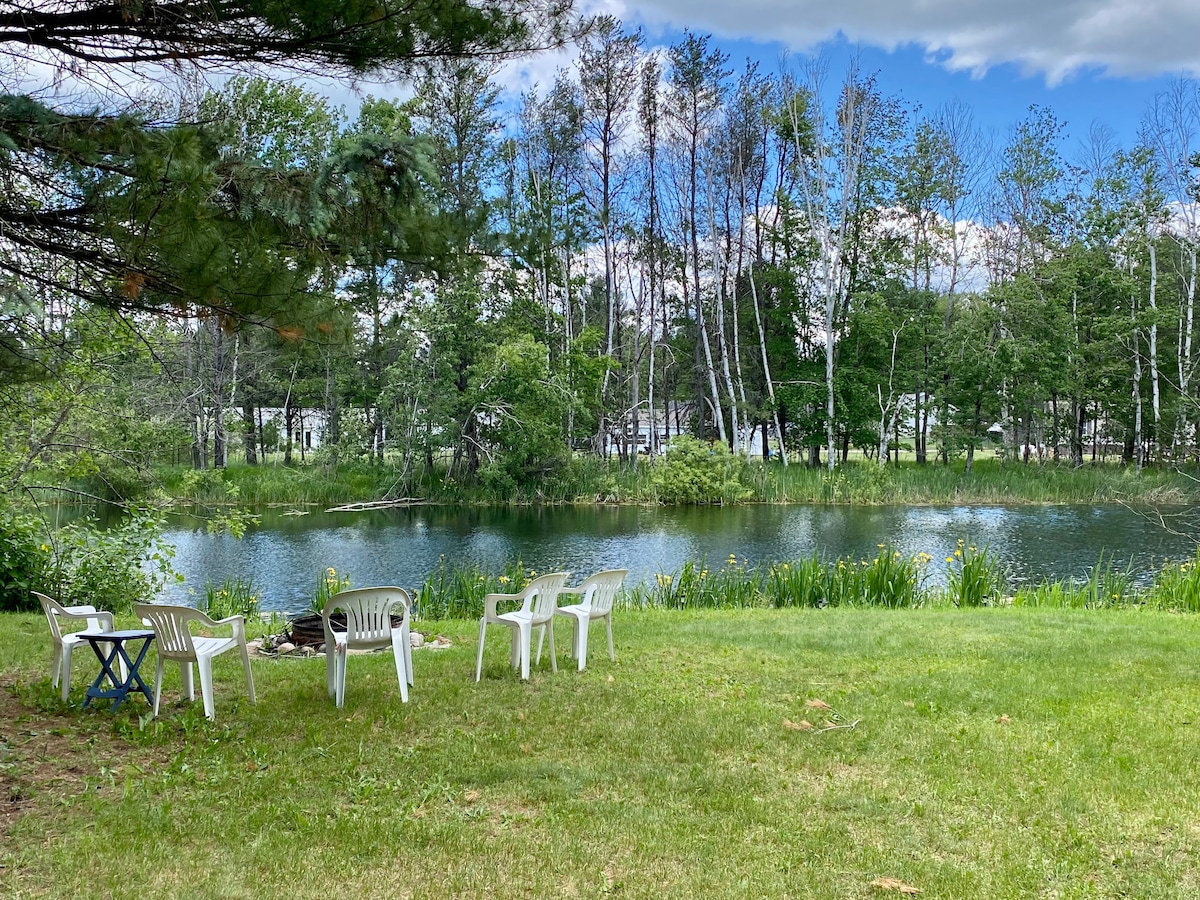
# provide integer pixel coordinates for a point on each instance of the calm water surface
(286, 555)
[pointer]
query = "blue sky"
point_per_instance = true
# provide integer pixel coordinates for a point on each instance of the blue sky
(1088, 60)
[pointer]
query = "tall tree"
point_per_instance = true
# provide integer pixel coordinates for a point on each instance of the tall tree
(696, 90)
(608, 64)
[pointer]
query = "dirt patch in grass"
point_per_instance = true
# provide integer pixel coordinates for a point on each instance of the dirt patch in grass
(46, 757)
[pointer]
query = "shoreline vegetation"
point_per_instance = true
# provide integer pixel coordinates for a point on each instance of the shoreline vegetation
(889, 580)
(588, 480)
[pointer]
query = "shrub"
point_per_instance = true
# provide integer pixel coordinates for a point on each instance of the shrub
(111, 568)
(24, 559)
(696, 472)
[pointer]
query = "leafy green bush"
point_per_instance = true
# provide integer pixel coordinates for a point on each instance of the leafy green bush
(24, 559)
(111, 568)
(696, 472)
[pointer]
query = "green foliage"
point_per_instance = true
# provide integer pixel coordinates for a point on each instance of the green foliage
(1177, 586)
(329, 582)
(732, 586)
(892, 581)
(805, 582)
(233, 597)
(24, 559)
(888, 581)
(457, 592)
(523, 410)
(867, 483)
(111, 568)
(696, 472)
(973, 577)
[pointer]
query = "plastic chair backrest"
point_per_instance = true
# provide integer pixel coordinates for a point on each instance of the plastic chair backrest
(53, 609)
(601, 589)
(368, 614)
(170, 624)
(544, 590)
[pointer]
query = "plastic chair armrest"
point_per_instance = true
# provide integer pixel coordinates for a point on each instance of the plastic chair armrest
(102, 619)
(492, 600)
(238, 622)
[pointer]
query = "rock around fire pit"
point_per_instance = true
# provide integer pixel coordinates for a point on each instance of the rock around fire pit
(305, 636)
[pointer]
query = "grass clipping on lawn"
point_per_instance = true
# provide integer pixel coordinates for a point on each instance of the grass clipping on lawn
(997, 753)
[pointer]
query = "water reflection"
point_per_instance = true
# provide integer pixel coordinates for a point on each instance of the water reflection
(285, 555)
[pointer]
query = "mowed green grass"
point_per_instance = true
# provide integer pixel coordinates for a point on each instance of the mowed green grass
(996, 753)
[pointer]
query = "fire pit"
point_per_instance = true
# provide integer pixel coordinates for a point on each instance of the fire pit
(307, 631)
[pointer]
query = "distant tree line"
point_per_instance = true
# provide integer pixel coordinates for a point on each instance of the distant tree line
(653, 243)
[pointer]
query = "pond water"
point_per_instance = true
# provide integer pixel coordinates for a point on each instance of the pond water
(286, 554)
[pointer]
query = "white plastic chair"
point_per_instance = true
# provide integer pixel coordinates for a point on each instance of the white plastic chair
(538, 602)
(64, 643)
(368, 627)
(598, 592)
(174, 640)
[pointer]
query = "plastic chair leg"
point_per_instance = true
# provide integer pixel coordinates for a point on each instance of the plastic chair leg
(479, 656)
(523, 635)
(401, 667)
(515, 655)
(204, 663)
(340, 654)
(64, 671)
(608, 626)
(543, 630)
(408, 667)
(249, 676)
(581, 636)
(56, 665)
(330, 671)
(189, 687)
(157, 685)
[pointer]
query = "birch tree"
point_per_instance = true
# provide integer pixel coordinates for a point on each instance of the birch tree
(695, 93)
(830, 147)
(608, 75)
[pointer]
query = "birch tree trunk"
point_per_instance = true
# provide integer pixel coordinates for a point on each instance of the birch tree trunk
(830, 160)
(1155, 401)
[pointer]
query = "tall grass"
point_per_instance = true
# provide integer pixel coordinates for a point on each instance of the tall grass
(973, 578)
(588, 479)
(1177, 586)
(233, 597)
(1104, 587)
(457, 592)
(889, 580)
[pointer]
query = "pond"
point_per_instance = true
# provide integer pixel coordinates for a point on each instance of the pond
(286, 554)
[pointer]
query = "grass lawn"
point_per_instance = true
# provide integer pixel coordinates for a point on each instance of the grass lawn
(977, 754)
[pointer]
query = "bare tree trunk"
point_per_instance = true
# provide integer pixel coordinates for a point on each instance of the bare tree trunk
(1155, 403)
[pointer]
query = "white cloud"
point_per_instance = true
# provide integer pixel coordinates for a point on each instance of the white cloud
(1054, 38)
